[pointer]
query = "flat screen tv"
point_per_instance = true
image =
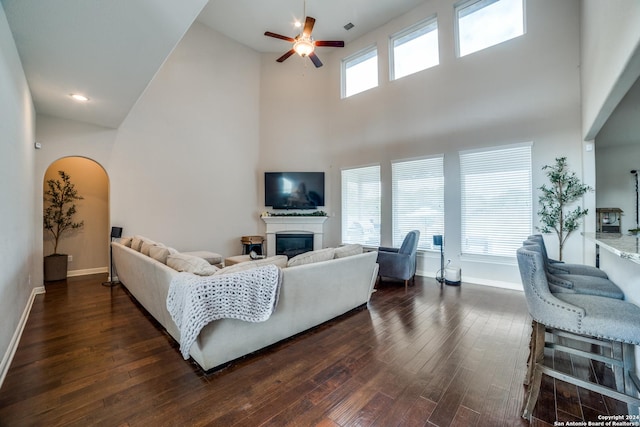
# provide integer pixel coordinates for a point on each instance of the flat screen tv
(294, 190)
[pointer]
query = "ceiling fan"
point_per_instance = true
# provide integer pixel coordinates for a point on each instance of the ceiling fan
(304, 44)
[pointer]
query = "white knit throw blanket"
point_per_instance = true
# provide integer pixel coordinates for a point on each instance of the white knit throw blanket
(194, 301)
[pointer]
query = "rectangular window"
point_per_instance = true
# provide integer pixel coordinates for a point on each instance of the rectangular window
(484, 23)
(496, 200)
(414, 49)
(361, 205)
(360, 72)
(418, 199)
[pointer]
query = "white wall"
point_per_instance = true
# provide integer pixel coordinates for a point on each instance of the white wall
(182, 165)
(526, 89)
(610, 58)
(20, 263)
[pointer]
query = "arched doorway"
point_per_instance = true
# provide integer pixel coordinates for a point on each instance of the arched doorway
(87, 247)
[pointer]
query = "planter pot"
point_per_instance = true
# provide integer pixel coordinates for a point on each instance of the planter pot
(55, 267)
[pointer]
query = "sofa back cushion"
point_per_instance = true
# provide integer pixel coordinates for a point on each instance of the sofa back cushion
(311, 257)
(348, 250)
(190, 264)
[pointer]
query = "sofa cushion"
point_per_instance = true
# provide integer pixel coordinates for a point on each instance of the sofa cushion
(136, 243)
(159, 253)
(210, 257)
(348, 250)
(311, 257)
(190, 264)
(147, 245)
(278, 261)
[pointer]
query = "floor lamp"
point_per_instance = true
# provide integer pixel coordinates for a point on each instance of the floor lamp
(116, 233)
(635, 172)
(439, 241)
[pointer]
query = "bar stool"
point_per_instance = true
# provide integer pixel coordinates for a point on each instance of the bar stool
(573, 320)
(576, 283)
(252, 243)
(560, 267)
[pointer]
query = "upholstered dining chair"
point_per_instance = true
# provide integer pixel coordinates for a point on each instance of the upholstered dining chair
(575, 283)
(400, 263)
(572, 323)
(560, 267)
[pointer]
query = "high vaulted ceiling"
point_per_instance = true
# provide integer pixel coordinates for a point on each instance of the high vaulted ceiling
(109, 50)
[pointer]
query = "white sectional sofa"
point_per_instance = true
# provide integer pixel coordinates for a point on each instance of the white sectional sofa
(311, 292)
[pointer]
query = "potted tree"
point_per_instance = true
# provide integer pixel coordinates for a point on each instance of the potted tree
(58, 218)
(555, 214)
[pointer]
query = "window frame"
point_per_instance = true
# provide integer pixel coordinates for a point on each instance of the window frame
(423, 24)
(470, 3)
(426, 240)
(362, 56)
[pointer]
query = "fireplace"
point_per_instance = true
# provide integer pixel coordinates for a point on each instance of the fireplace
(292, 244)
(293, 225)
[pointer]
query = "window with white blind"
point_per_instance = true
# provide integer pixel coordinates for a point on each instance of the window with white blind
(484, 23)
(361, 205)
(414, 49)
(418, 199)
(496, 199)
(360, 72)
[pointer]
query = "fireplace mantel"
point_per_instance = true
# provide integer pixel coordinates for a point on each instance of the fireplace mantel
(293, 224)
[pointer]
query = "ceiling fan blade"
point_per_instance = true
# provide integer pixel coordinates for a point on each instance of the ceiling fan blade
(279, 36)
(308, 26)
(334, 43)
(316, 61)
(286, 55)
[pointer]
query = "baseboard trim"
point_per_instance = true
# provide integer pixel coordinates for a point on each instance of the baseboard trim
(75, 273)
(15, 340)
(483, 282)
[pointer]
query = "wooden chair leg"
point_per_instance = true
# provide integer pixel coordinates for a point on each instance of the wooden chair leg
(537, 361)
(530, 360)
(406, 285)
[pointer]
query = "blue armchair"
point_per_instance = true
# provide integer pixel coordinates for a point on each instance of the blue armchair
(400, 263)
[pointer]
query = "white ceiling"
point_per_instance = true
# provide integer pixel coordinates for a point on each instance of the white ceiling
(110, 50)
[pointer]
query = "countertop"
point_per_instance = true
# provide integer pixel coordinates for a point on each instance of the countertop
(623, 245)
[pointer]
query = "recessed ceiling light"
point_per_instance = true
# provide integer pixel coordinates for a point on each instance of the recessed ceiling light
(297, 24)
(79, 97)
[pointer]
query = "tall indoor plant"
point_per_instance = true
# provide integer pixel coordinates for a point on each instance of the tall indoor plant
(555, 214)
(58, 218)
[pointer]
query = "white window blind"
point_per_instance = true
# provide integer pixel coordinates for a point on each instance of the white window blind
(361, 205)
(415, 49)
(496, 200)
(418, 199)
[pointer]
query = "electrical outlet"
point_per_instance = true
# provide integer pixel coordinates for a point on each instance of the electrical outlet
(70, 258)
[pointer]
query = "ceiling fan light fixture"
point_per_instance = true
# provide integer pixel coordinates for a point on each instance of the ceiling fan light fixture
(304, 47)
(79, 97)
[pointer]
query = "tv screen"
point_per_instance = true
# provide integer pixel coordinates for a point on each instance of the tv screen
(294, 190)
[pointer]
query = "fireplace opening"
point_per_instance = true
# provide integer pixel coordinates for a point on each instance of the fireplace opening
(293, 244)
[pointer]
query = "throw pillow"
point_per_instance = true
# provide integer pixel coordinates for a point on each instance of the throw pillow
(159, 253)
(136, 243)
(348, 250)
(126, 241)
(146, 245)
(191, 264)
(278, 261)
(311, 257)
(210, 257)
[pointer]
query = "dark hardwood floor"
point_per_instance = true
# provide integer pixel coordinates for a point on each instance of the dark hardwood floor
(450, 356)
